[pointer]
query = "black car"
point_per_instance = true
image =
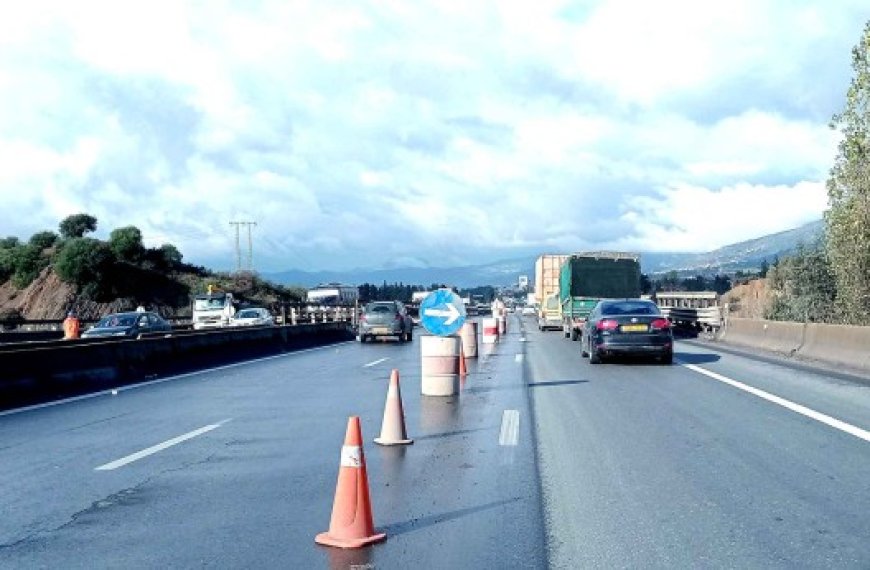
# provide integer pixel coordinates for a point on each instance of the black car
(627, 327)
(129, 325)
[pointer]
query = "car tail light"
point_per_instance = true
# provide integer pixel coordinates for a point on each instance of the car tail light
(607, 325)
(362, 318)
(660, 324)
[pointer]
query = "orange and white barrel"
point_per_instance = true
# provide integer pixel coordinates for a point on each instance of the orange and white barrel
(490, 331)
(440, 365)
(468, 334)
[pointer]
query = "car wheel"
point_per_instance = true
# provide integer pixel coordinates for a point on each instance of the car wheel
(594, 357)
(667, 358)
(362, 339)
(574, 335)
(584, 353)
(401, 337)
(410, 336)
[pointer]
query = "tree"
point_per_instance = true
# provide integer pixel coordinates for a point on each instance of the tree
(848, 218)
(77, 225)
(765, 267)
(802, 287)
(27, 263)
(171, 255)
(126, 244)
(43, 240)
(87, 264)
(9, 242)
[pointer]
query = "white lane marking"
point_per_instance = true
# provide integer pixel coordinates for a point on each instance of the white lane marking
(518, 357)
(167, 379)
(522, 339)
(803, 410)
(370, 364)
(510, 428)
(159, 447)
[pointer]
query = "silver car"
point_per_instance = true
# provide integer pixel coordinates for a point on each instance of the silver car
(387, 319)
(252, 318)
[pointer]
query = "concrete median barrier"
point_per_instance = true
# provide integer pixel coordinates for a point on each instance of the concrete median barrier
(776, 336)
(31, 375)
(838, 344)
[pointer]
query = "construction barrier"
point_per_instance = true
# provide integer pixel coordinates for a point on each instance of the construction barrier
(468, 334)
(60, 369)
(835, 344)
(490, 331)
(838, 344)
(776, 336)
(440, 365)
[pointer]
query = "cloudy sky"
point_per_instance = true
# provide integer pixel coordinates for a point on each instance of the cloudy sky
(392, 133)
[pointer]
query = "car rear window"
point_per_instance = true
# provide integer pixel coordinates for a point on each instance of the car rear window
(380, 308)
(630, 308)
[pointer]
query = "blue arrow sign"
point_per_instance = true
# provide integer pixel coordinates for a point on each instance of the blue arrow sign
(442, 312)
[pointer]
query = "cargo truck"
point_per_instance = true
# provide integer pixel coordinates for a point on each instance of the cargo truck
(547, 290)
(586, 278)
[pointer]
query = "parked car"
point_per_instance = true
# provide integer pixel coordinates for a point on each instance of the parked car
(129, 325)
(252, 317)
(627, 327)
(385, 318)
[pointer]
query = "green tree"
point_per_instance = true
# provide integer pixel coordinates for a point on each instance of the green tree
(43, 240)
(765, 267)
(802, 287)
(9, 242)
(848, 218)
(27, 263)
(126, 244)
(77, 225)
(171, 255)
(86, 263)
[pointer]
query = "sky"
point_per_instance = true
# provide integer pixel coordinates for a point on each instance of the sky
(393, 133)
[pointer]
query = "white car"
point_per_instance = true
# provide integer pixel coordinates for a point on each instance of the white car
(252, 318)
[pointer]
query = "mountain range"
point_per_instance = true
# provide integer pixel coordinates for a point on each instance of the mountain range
(743, 256)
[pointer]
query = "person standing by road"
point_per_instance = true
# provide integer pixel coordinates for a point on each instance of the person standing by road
(71, 326)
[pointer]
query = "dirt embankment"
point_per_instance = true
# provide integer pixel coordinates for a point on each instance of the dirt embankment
(747, 301)
(49, 298)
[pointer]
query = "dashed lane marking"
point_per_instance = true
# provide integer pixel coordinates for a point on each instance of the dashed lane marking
(159, 447)
(375, 363)
(510, 428)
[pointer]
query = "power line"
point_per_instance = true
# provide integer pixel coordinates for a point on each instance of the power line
(238, 226)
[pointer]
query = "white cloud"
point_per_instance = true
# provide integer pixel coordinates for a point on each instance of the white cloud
(359, 135)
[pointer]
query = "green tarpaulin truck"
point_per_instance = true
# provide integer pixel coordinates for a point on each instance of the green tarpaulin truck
(585, 278)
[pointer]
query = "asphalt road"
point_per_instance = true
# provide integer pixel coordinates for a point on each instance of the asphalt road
(254, 481)
(720, 461)
(651, 466)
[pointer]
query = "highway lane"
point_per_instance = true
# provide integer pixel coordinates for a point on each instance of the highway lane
(255, 480)
(651, 466)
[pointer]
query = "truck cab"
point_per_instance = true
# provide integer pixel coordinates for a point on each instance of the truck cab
(550, 313)
(213, 310)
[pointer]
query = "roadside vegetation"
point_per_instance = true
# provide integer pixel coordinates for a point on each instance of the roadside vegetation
(121, 267)
(829, 281)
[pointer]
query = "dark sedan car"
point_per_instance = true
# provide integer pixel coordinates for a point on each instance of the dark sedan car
(627, 327)
(129, 325)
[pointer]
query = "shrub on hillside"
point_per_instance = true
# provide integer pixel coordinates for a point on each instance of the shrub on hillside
(87, 263)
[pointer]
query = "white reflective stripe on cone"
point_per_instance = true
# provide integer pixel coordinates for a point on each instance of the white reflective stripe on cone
(351, 456)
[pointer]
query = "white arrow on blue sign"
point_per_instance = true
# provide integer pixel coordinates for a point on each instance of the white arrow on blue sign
(442, 312)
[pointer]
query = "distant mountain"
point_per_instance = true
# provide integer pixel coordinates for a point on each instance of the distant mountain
(743, 256)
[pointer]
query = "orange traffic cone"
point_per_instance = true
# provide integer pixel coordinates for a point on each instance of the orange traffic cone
(351, 525)
(463, 371)
(393, 427)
